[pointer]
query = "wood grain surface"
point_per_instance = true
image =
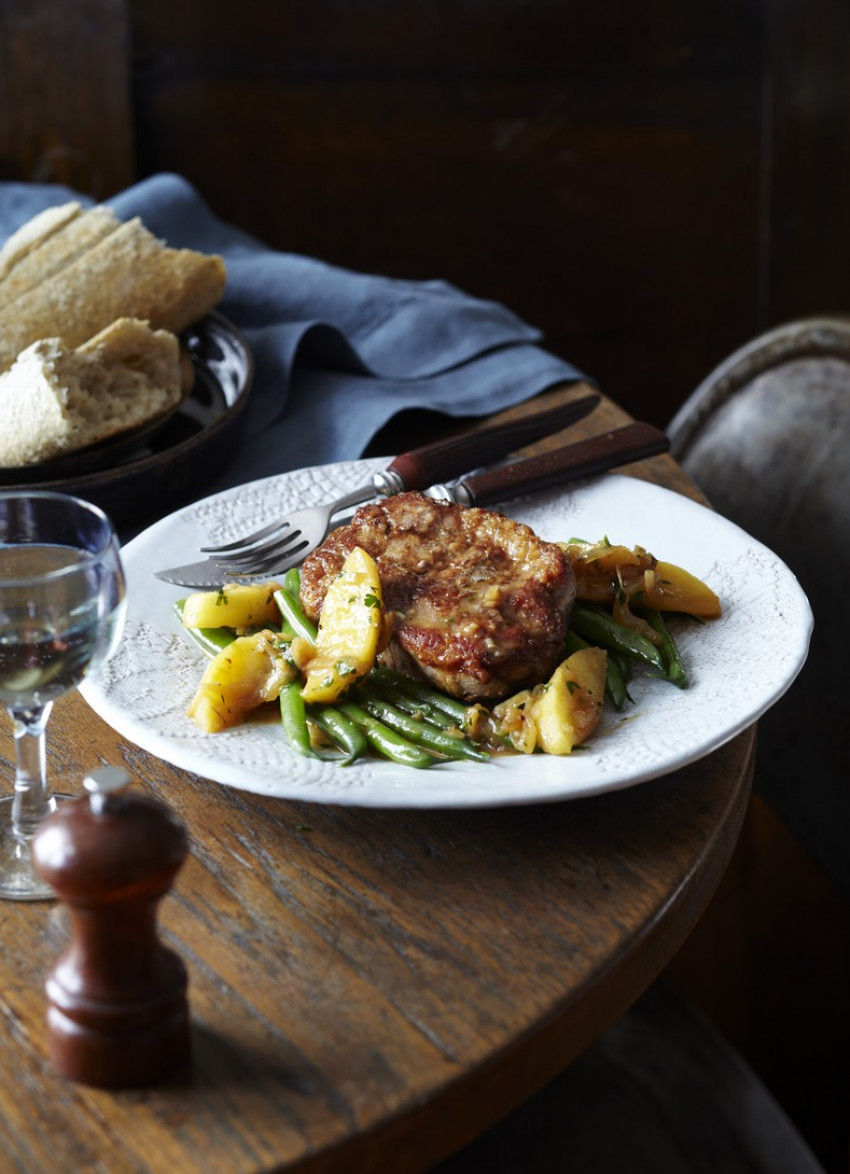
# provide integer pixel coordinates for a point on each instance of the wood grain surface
(369, 989)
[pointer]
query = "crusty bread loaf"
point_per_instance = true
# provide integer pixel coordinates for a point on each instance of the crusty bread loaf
(77, 272)
(56, 399)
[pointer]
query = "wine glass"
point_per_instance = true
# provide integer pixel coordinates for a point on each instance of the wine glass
(61, 612)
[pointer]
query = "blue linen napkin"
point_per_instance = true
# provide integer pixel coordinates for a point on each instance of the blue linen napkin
(337, 353)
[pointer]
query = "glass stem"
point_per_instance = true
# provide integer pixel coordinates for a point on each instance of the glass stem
(32, 799)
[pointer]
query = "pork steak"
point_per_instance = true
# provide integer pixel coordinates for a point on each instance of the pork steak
(479, 604)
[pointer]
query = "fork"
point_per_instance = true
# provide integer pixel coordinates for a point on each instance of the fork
(571, 462)
(609, 450)
(303, 530)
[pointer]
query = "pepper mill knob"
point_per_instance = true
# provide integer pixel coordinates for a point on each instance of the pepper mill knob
(117, 1013)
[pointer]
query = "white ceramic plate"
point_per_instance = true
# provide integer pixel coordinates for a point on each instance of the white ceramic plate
(738, 665)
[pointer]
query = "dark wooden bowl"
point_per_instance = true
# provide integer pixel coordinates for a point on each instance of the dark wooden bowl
(165, 464)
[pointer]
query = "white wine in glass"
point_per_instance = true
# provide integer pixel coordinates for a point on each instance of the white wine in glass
(61, 612)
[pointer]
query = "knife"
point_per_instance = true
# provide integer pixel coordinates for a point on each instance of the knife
(620, 446)
(417, 469)
(572, 462)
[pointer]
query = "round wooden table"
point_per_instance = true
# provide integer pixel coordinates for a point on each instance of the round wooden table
(370, 989)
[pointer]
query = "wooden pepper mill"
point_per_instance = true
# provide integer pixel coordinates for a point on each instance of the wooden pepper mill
(118, 1013)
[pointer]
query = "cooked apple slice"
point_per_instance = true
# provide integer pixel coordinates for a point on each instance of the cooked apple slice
(350, 630)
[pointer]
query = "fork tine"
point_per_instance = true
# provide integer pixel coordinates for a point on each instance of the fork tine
(241, 544)
(260, 555)
(276, 565)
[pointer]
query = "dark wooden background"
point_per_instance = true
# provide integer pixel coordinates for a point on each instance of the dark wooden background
(650, 184)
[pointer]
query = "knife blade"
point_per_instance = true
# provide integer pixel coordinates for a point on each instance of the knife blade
(205, 575)
(571, 462)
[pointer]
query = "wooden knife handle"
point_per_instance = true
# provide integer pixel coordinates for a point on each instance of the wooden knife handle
(634, 442)
(449, 458)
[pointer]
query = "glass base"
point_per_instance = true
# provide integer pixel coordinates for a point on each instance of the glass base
(18, 879)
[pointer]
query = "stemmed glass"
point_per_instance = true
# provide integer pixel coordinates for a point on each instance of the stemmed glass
(61, 613)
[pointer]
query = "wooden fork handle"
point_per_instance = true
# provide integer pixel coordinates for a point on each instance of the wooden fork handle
(634, 442)
(444, 459)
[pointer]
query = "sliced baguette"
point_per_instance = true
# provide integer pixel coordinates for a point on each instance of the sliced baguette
(127, 273)
(56, 399)
(35, 233)
(42, 251)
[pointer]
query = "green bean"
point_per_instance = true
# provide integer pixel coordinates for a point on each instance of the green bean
(615, 682)
(341, 730)
(420, 732)
(675, 670)
(598, 627)
(285, 630)
(294, 719)
(293, 613)
(210, 640)
(422, 693)
(412, 705)
(622, 667)
(575, 643)
(386, 741)
(292, 582)
(624, 663)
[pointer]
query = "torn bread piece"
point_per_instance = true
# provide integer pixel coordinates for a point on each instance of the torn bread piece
(126, 273)
(56, 399)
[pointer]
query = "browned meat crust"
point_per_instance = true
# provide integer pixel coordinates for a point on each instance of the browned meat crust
(479, 603)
